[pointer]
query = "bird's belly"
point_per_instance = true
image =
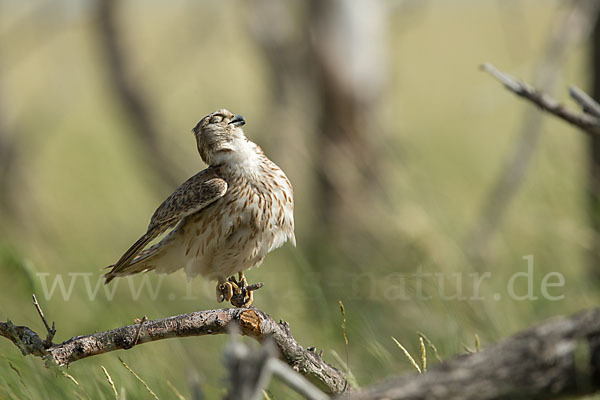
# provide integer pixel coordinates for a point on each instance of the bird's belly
(227, 246)
(236, 232)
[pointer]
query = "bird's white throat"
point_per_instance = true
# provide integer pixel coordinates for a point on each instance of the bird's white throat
(245, 155)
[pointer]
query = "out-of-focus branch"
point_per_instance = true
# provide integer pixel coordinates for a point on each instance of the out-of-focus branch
(586, 102)
(574, 26)
(251, 370)
(586, 122)
(559, 358)
(252, 322)
(133, 101)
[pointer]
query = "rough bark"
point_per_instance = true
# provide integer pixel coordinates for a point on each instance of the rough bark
(253, 323)
(558, 358)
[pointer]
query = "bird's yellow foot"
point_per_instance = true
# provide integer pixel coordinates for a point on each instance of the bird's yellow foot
(225, 290)
(243, 295)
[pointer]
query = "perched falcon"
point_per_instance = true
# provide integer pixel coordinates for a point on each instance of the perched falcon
(223, 220)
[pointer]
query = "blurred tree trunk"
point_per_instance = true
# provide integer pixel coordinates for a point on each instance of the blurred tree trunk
(9, 171)
(132, 98)
(328, 70)
(327, 63)
(594, 160)
(347, 39)
(277, 29)
(8, 163)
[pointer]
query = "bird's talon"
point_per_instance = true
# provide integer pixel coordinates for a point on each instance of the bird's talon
(225, 291)
(243, 296)
(236, 286)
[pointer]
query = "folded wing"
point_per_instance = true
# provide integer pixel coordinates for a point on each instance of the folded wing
(192, 196)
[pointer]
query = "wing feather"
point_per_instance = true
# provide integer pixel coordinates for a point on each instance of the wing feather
(192, 196)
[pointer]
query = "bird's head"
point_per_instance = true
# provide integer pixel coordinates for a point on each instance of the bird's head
(220, 138)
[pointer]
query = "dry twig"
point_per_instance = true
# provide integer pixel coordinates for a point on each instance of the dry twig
(253, 323)
(585, 122)
(575, 25)
(588, 104)
(51, 331)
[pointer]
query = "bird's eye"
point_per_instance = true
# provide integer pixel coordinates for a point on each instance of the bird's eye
(215, 119)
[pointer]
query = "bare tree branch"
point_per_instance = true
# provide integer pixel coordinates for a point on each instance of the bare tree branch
(586, 102)
(554, 359)
(253, 323)
(558, 358)
(51, 331)
(573, 26)
(586, 122)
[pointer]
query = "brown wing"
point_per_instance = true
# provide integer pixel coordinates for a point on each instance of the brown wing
(192, 196)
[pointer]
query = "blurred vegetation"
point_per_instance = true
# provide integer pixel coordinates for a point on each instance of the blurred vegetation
(83, 194)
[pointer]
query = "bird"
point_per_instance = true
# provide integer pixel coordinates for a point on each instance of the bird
(221, 221)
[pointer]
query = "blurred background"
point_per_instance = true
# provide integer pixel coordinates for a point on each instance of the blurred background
(415, 174)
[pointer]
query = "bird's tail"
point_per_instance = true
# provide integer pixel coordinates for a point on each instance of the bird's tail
(127, 263)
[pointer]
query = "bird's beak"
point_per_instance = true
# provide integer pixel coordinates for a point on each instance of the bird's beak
(238, 120)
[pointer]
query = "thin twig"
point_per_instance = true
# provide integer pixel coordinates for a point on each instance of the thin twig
(137, 333)
(571, 28)
(585, 122)
(51, 332)
(586, 102)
